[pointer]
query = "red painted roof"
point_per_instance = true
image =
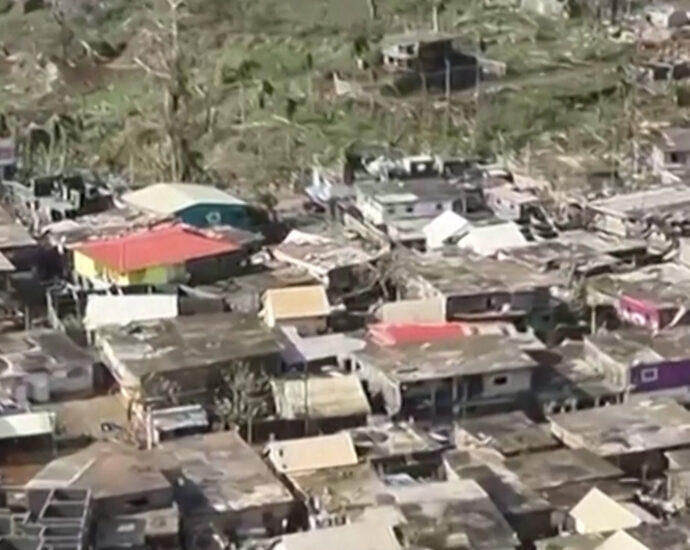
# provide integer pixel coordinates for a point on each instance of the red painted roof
(394, 334)
(391, 334)
(165, 244)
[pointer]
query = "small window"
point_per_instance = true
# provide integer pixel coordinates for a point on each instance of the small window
(500, 380)
(409, 209)
(439, 206)
(390, 210)
(649, 375)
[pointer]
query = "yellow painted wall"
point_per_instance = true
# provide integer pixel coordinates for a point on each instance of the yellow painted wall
(89, 268)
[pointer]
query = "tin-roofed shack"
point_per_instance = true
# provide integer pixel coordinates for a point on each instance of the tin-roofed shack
(447, 377)
(328, 402)
(633, 434)
(342, 262)
(190, 351)
(400, 447)
(510, 433)
(244, 292)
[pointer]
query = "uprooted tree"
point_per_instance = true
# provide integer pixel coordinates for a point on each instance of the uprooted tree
(182, 100)
(241, 394)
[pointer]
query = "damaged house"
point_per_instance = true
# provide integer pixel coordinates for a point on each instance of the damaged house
(41, 365)
(640, 361)
(633, 435)
(671, 151)
(652, 297)
(343, 263)
(43, 200)
(639, 213)
(326, 475)
(447, 377)
(475, 288)
(189, 351)
(404, 207)
(220, 481)
(428, 58)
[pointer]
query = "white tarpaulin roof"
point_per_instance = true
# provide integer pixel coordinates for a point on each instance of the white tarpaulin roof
(443, 227)
(489, 239)
(103, 310)
(26, 424)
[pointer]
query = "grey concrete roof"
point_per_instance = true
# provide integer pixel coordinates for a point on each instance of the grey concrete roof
(572, 542)
(510, 495)
(185, 342)
(221, 473)
(477, 354)
(563, 466)
(438, 512)
(664, 285)
(391, 440)
(339, 490)
(510, 433)
(559, 256)
(650, 202)
(464, 274)
(631, 347)
(108, 470)
(413, 190)
(83, 417)
(42, 351)
(640, 424)
(364, 535)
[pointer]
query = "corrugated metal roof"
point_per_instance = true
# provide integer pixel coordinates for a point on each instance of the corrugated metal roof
(170, 198)
(319, 397)
(489, 239)
(313, 453)
(390, 334)
(5, 264)
(443, 227)
(123, 309)
(26, 424)
(597, 512)
(621, 541)
(365, 535)
(296, 302)
(166, 244)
